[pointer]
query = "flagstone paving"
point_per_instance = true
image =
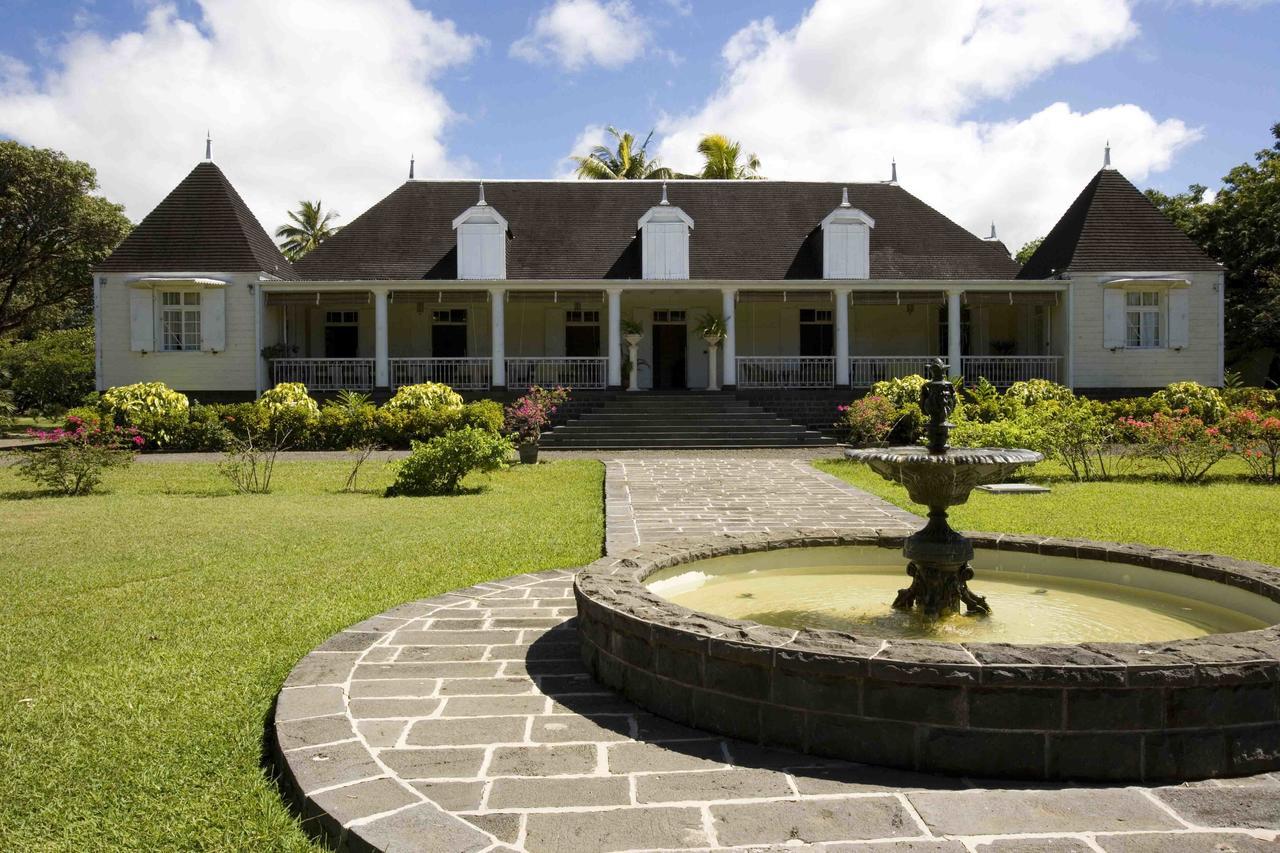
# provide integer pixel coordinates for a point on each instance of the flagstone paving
(468, 723)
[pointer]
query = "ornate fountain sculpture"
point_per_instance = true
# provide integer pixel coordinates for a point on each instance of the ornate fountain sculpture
(939, 477)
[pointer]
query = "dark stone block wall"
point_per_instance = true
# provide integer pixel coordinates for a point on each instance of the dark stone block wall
(1110, 712)
(815, 408)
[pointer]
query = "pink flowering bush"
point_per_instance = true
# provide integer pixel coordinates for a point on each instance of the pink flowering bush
(528, 415)
(74, 458)
(867, 420)
(1256, 438)
(1180, 442)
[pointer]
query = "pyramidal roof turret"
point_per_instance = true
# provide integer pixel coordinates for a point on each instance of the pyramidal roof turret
(203, 225)
(1113, 227)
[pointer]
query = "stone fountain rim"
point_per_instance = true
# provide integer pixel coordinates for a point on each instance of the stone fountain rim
(613, 589)
(954, 456)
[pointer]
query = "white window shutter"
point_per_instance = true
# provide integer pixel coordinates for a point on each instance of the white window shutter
(142, 320)
(1113, 318)
(1179, 317)
(213, 319)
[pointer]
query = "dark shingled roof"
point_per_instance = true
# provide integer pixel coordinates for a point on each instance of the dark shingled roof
(1113, 227)
(743, 230)
(202, 226)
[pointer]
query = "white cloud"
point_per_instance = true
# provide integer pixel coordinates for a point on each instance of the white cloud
(853, 85)
(577, 33)
(305, 99)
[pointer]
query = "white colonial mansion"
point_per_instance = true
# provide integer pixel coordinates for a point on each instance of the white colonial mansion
(502, 284)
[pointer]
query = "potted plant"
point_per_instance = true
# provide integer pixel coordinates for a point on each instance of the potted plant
(711, 327)
(528, 415)
(632, 332)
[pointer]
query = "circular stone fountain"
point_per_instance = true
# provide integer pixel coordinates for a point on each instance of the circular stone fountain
(1092, 661)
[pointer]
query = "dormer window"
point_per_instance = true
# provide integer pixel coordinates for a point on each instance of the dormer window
(664, 241)
(482, 242)
(846, 242)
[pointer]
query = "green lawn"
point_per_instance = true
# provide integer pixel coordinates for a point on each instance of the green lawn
(1225, 515)
(145, 631)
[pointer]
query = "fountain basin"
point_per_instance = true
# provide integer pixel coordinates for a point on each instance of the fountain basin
(1165, 710)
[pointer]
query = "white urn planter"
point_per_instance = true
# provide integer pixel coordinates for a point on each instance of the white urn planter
(713, 343)
(633, 344)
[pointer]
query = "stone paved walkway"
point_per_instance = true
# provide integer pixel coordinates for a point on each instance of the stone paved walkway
(468, 723)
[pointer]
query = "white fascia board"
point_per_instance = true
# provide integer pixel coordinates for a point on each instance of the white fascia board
(209, 279)
(664, 213)
(848, 214)
(480, 210)
(1138, 281)
(191, 281)
(676, 284)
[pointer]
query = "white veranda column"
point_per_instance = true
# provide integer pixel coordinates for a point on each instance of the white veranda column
(953, 332)
(729, 307)
(259, 311)
(842, 336)
(381, 350)
(615, 338)
(498, 335)
(712, 384)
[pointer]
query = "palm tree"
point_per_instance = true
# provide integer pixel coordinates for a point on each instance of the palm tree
(720, 159)
(627, 163)
(310, 227)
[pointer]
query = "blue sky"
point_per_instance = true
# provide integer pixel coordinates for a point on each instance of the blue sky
(1185, 90)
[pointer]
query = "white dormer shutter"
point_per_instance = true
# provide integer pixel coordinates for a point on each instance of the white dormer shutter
(213, 319)
(664, 241)
(482, 244)
(1113, 318)
(142, 320)
(1179, 317)
(846, 243)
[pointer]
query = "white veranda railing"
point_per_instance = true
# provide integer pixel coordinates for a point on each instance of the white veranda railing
(786, 371)
(1004, 370)
(570, 372)
(865, 371)
(461, 374)
(324, 374)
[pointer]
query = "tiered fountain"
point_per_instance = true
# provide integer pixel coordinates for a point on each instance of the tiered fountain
(1084, 660)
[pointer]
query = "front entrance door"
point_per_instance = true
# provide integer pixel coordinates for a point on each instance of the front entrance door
(341, 334)
(449, 333)
(670, 342)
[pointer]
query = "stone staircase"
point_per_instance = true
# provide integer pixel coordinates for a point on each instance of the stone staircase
(676, 419)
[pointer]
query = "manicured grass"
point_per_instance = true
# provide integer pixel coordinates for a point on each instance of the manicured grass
(145, 632)
(1225, 515)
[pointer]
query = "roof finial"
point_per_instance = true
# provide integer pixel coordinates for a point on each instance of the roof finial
(482, 202)
(208, 145)
(411, 167)
(664, 194)
(844, 197)
(1106, 156)
(993, 236)
(893, 176)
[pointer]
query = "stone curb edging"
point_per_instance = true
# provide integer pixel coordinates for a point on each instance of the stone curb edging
(1181, 710)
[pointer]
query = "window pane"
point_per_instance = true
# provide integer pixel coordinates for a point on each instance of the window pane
(1133, 298)
(191, 299)
(171, 298)
(1151, 298)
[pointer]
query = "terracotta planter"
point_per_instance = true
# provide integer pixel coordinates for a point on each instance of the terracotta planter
(529, 454)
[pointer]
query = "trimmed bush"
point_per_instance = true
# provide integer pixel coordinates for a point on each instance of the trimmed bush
(288, 412)
(868, 420)
(1035, 391)
(52, 372)
(1199, 401)
(437, 467)
(482, 414)
(900, 392)
(427, 395)
(153, 408)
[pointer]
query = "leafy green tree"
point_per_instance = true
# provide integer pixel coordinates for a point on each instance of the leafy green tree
(722, 158)
(53, 370)
(53, 231)
(1028, 249)
(311, 226)
(1240, 227)
(624, 162)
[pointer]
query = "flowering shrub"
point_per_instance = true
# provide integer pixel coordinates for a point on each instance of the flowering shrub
(1256, 437)
(1199, 401)
(1082, 435)
(437, 467)
(1181, 442)
(73, 459)
(427, 395)
(526, 417)
(153, 408)
(868, 420)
